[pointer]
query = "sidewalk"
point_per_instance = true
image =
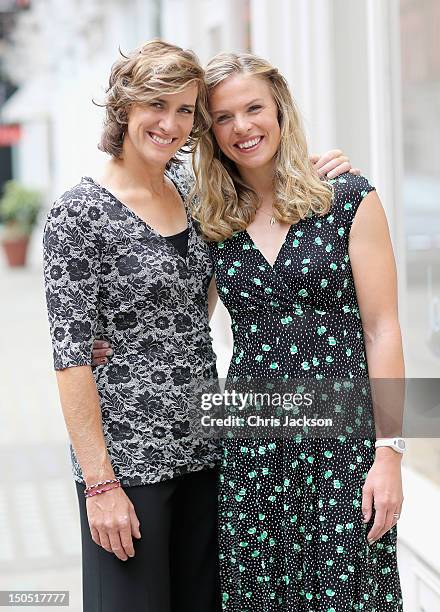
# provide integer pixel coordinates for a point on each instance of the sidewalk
(39, 527)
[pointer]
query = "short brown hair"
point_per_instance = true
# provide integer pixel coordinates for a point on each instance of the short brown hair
(154, 69)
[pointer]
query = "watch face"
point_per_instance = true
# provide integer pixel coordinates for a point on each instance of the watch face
(401, 444)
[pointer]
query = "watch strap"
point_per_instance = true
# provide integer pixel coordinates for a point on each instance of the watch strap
(397, 444)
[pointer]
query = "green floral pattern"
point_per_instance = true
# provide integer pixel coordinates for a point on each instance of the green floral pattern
(291, 534)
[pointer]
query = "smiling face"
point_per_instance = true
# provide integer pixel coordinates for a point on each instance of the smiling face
(158, 129)
(245, 121)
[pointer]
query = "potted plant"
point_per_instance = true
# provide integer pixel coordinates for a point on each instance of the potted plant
(19, 207)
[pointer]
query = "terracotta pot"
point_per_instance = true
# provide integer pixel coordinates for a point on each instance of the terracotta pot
(16, 251)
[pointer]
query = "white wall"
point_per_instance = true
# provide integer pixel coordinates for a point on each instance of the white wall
(76, 121)
(419, 544)
(33, 165)
(350, 80)
(84, 38)
(295, 35)
(206, 26)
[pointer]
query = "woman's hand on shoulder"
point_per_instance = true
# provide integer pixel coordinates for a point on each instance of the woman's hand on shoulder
(332, 164)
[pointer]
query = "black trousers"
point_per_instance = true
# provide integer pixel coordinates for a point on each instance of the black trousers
(175, 567)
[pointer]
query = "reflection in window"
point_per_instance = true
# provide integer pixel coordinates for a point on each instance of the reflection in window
(420, 25)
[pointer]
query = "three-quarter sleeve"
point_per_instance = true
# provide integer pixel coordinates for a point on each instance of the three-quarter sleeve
(71, 255)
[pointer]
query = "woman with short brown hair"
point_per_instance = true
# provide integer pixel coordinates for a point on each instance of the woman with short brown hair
(123, 261)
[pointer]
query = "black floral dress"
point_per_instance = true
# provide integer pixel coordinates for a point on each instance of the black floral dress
(291, 531)
(109, 275)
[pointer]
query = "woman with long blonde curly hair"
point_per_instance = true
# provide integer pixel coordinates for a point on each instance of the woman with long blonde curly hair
(306, 271)
(226, 202)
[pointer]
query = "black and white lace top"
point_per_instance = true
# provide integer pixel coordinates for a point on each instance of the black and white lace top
(109, 275)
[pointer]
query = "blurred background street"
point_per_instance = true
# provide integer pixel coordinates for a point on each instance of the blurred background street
(366, 76)
(38, 507)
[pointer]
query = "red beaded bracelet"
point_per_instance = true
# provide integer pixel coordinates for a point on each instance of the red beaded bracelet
(99, 484)
(99, 491)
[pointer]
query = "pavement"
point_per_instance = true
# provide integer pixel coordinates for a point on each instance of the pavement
(39, 525)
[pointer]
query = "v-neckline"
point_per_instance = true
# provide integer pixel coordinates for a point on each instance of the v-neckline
(151, 229)
(283, 244)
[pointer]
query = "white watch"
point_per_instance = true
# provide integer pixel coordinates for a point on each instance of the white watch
(397, 444)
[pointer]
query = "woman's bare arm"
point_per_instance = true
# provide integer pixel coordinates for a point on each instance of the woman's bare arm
(374, 273)
(82, 414)
(112, 517)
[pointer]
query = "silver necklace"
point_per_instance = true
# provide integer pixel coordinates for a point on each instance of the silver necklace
(272, 220)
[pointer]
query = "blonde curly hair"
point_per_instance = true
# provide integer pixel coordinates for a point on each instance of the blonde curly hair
(223, 202)
(154, 69)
